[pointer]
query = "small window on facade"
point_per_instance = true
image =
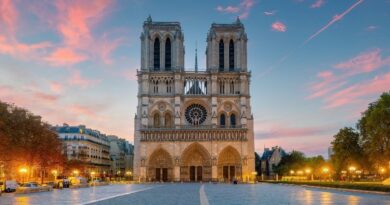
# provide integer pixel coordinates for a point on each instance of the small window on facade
(222, 120)
(232, 120)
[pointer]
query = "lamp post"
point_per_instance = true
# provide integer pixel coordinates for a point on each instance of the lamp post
(55, 173)
(92, 175)
(128, 174)
(351, 169)
(325, 170)
(308, 172)
(75, 172)
(22, 172)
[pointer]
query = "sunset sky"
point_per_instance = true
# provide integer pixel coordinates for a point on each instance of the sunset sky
(316, 64)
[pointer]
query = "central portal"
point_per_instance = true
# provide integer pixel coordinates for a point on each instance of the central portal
(195, 164)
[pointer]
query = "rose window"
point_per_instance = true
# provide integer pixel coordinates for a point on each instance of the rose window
(196, 114)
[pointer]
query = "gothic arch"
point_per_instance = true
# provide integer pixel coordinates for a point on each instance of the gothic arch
(160, 166)
(156, 53)
(229, 164)
(195, 163)
(168, 119)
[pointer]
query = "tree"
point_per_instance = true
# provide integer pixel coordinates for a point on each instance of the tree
(347, 149)
(26, 141)
(315, 164)
(257, 164)
(374, 127)
(292, 161)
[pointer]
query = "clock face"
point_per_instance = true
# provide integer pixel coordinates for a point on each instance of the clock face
(196, 114)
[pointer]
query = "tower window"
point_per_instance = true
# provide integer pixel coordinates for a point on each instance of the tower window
(168, 58)
(222, 120)
(156, 53)
(232, 120)
(231, 55)
(156, 120)
(221, 55)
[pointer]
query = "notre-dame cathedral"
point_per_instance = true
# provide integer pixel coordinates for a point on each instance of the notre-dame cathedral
(193, 125)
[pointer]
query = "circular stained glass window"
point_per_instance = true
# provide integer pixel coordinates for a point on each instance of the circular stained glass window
(196, 114)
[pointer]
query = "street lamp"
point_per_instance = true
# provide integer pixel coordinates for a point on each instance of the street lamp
(93, 174)
(351, 170)
(308, 171)
(75, 172)
(54, 172)
(292, 172)
(23, 171)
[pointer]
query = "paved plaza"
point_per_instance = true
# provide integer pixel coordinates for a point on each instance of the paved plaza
(194, 194)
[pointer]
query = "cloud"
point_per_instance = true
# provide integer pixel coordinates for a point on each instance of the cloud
(8, 16)
(335, 18)
(334, 85)
(317, 4)
(77, 80)
(64, 56)
(364, 63)
(16, 49)
(56, 87)
(359, 91)
(41, 96)
(279, 26)
(371, 28)
(274, 131)
(270, 13)
(228, 9)
(243, 8)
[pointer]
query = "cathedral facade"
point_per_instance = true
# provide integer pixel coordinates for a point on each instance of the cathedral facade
(193, 125)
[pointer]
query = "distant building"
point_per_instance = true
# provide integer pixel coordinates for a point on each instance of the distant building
(121, 154)
(87, 145)
(270, 158)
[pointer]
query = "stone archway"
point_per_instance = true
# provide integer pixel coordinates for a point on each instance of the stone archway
(195, 164)
(160, 166)
(229, 164)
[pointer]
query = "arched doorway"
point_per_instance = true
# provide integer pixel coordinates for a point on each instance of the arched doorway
(160, 166)
(195, 164)
(229, 164)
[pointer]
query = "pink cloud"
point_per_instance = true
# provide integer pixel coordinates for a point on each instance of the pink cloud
(335, 18)
(243, 8)
(64, 56)
(14, 48)
(8, 15)
(279, 26)
(357, 92)
(77, 80)
(317, 4)
(269, 13)
(56, 87)
(130, 74)
(228, 9)
(45, 97)
(84, 110)
(371, 28)
(364, 63)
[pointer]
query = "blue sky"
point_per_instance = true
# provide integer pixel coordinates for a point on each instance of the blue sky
(316, 64)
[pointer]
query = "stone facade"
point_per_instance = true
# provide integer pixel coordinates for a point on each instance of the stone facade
(193, 125)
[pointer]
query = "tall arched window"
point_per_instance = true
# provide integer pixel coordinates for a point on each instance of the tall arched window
(221, 55)
(168, 120)
(231, 55)
(156, 53)
(232, 120)
(156, 120)
(222, 120)
(168, 61)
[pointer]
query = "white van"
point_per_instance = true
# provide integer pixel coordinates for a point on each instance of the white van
(10, 185)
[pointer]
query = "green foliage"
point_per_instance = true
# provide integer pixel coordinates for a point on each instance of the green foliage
(25, 140)
(257, 163)
(347, 149)
(292, 161)
(374, 127)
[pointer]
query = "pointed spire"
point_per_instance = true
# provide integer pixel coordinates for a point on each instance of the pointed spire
(238, 20)
(149, 19)
(196, 57)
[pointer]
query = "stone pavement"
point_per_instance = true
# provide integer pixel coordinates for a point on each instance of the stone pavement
(194, 194)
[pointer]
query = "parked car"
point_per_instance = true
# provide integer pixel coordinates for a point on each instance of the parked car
(31, 187)
(9, 186)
